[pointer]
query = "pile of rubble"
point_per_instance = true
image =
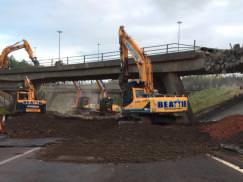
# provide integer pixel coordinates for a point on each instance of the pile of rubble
(229, 128)
(222, 60)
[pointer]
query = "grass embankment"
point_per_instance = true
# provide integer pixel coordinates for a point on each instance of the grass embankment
(3, 111)
(204, 99)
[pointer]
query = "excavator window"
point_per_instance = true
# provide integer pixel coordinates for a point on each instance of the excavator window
(140, 94)
(23, 96)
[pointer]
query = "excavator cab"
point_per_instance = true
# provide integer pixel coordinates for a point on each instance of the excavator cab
(135, 89)
(23, 95)
(84, 102)
(106, 104)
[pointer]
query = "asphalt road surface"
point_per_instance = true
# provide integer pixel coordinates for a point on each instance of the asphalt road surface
(233, 110)
(19, 164)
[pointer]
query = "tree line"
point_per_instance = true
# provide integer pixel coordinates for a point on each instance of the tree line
(16, 64)
(199, 82)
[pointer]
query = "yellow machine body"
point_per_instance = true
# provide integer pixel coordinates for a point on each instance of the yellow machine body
(155, 104)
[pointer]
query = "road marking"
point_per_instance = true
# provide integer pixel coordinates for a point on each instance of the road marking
(237, 168)
(18, 156)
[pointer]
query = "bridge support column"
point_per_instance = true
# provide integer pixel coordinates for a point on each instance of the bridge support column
(173, 85)
(38, 91)
(13, 106)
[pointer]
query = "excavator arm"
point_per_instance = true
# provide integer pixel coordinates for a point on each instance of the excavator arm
(18, 45)
(127, 44)
(78, 95)
(28, 49)
(103, 91)
(30, 87)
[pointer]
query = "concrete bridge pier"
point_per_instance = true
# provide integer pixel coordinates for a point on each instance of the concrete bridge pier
(13, 103)
(170, 83)
(6, 100)
(10, 96)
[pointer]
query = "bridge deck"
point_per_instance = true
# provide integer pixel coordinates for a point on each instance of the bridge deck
(162, 63)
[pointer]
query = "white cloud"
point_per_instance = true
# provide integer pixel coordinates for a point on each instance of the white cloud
(230, 30)
(212, 23)
(220, 3)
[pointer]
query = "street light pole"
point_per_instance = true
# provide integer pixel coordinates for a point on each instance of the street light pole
(98, 46)
(179, 33)
(59, 44)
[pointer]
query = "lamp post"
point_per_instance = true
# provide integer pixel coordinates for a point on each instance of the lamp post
(59, 44)
(179, 33)
(98, 47)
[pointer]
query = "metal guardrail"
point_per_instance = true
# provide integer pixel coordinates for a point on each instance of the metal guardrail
(107, 56)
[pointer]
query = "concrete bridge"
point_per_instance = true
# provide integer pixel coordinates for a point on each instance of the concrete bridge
(183, 63)
(170, 58)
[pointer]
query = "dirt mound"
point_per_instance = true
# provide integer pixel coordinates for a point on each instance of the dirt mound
(226, 128)
(106, 141)
(48, 125)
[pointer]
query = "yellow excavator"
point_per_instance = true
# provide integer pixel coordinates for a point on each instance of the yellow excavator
(139, 96)
(27, 101)
(18, 45)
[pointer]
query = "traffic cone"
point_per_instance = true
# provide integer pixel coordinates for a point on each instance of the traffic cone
(2, 123)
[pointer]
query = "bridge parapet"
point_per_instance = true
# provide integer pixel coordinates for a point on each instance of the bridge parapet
(114, 55)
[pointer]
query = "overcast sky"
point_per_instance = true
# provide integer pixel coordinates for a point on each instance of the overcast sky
(212, 23)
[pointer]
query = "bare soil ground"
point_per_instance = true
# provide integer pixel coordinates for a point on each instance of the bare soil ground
(106, 141)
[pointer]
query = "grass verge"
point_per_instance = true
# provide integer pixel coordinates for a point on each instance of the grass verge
(3, 111)
(204, 99)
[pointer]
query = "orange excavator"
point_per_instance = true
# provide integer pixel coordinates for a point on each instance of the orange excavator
(27, 100)
(79, 102)
(18, 45)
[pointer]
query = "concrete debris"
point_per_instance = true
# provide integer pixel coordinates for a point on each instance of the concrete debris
(222, 60)
(229, 128)
(232, 147)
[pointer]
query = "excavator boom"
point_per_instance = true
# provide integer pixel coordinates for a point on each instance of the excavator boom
(127, 44)
(78, 95)
(103, 91)
(28, 85)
